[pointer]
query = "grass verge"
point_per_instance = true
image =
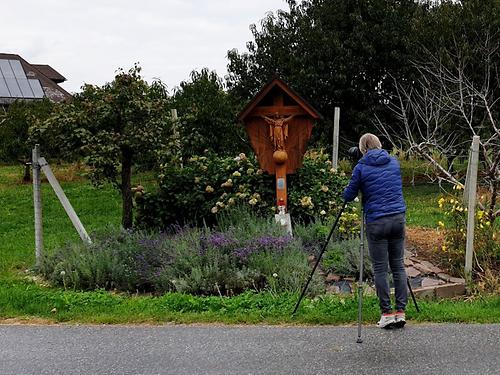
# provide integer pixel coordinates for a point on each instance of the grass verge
(27, 300)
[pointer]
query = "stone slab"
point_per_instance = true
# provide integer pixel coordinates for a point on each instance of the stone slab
(441, 291)
(331, 277)
(428, 281)
(408, 262)
(412, 272)
(423, 268)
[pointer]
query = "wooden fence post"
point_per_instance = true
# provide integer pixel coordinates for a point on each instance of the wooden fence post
(471, 182)
(37, 203)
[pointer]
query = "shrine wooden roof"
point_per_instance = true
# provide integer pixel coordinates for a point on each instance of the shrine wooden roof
(300, 107)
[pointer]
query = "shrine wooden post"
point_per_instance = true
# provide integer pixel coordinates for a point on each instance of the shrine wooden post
(279, 123)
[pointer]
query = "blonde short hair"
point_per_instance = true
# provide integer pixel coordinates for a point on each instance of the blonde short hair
(368, 142)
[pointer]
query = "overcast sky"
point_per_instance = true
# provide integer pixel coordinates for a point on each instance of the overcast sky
(87, 40)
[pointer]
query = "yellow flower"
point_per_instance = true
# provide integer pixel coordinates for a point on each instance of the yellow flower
(252, 202)
(230, 201)
(324, 188)
(441, 201)
(306, 202)
(322, 212)
(487, 223)
(196, 180)
(237, 174)
(441, 224)
(209, 189)
(228, 183)
(214, 209)
(443, 247)
(480, 214)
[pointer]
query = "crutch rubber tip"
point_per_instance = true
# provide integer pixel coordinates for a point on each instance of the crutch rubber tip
(359, 341)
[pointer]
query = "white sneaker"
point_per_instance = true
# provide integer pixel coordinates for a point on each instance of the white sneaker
(400, 319)
(387, 321)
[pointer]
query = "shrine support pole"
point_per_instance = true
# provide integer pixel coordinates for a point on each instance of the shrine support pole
(281, 194)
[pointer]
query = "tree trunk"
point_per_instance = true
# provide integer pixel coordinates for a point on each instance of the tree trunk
(27, 173)
(126, 187)
(27, 169)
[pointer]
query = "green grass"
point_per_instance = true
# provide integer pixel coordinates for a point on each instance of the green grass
(25, 300)
(422, 206)
(99, 208)
(95, 207)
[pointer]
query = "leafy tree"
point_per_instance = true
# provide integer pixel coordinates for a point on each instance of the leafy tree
(112, 126)
(15, 122)
(335, 52)
(208, 116)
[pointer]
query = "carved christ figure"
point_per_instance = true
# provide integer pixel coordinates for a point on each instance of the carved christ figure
(278, 130)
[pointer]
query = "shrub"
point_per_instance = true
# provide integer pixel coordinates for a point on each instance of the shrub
(342, 258)
(208, 185)
(486, 244)
(14, 128)
(253, 254)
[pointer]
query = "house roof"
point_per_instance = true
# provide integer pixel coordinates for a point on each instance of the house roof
(20, 80)
(50, 72)
(279, 83)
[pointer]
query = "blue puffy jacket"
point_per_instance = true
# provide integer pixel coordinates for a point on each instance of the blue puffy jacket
(378, 176)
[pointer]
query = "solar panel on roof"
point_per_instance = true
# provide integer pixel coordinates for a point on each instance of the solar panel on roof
(4, 91)
(14, 83)
(6, 69)
(25, 88)
(15, 91)
(17, 69)
(36, 87)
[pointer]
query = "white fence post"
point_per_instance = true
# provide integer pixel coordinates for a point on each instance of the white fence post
(37, 203)
(471, 182)
(335, 151)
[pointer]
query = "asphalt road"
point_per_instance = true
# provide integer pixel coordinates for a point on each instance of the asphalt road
(174, 349)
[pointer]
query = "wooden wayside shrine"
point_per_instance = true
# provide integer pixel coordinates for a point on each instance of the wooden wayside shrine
(279, 123)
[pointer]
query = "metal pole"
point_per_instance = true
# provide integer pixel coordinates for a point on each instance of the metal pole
(42, 163)
(471, 207)
(360, 283)
(37, 203)
(412, 294)
(335, 151)
(319, 257)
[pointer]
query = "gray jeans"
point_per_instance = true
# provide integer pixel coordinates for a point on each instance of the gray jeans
(386, 237)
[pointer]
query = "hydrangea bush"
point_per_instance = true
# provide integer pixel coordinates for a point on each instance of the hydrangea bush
(207, 185)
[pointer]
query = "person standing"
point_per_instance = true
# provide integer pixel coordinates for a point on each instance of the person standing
(378, 176)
